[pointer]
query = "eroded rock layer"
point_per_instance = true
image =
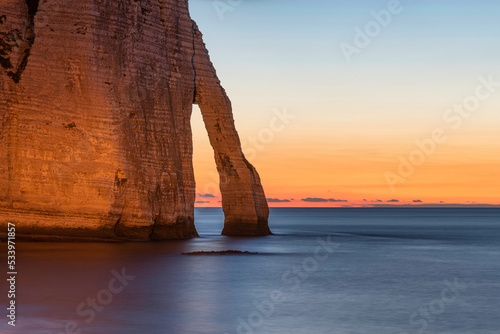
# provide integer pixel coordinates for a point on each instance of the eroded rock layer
(96, 98)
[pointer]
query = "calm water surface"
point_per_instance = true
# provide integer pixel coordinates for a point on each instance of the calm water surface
(324, 271)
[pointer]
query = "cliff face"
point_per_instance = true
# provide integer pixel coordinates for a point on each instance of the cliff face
(96, 98)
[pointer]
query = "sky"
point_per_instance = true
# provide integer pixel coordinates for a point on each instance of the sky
(358, 103)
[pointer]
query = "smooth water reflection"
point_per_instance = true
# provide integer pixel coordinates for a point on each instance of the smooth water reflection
(390, 263)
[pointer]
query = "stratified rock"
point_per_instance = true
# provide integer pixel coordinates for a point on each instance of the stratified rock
(96, 98)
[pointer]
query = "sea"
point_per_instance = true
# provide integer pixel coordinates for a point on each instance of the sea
(324, 270)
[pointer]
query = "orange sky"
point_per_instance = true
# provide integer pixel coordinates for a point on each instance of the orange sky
(301, 163)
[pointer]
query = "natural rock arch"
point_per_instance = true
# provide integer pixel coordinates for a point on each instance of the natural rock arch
(96, 99)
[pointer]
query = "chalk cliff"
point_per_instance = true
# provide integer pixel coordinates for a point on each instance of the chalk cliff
(95, 139)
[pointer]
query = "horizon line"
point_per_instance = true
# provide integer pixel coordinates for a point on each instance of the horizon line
(372, 206)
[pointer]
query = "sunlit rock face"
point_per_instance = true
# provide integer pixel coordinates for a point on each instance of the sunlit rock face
(96, 98)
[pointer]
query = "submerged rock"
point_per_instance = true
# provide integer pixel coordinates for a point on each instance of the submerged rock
(96, 98)
(226, 252)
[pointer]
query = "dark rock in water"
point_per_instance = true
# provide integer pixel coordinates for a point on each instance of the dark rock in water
(226, 252)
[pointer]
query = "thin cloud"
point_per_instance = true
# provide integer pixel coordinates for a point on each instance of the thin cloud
(205, 195)
(314, 200)
(417, 201)
(202, 202)
(322, 200)
(393, 201)
(277, 200)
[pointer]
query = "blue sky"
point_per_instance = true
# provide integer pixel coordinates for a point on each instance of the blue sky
(270, 53)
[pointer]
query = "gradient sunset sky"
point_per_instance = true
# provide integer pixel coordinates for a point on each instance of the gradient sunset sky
(349, 124)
